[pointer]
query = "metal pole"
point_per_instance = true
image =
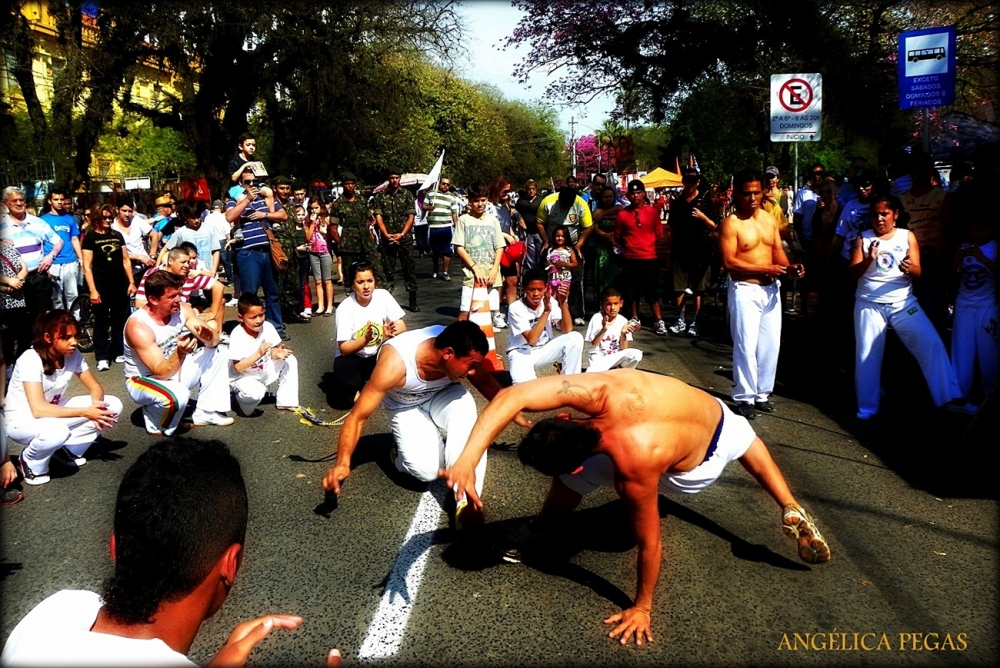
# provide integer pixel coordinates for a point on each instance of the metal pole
(795, 172)
(927, 130)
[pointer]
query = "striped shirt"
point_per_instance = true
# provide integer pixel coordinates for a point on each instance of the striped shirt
(191, 283)
(28, 237)
(444, 206)
(253, 230)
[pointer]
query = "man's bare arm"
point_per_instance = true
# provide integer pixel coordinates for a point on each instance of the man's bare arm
(141, 339)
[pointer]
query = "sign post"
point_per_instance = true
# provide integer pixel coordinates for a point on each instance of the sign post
(796, 110)
(927, 71)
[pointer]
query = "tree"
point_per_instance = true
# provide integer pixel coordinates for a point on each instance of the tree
(593, 155)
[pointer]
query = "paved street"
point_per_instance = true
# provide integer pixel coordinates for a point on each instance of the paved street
(908, 505)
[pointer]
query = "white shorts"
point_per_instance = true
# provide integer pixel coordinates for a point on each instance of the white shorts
(732, 439)
(466, 301)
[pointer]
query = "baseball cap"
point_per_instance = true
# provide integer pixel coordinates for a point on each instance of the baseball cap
(636, 186)
(772, 171)
(217, 204)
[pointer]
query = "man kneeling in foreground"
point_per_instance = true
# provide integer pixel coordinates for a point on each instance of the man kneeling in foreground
(179, 527)
(647, 434)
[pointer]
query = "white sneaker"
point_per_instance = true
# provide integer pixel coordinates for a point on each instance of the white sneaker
(678, 326)
(499, 322)
(693, 329)
(579, 321)
(120, 359)
(661, 328)
(103, 365)
(202, 418)
(232, 302)
(445, 276)
(307, 313)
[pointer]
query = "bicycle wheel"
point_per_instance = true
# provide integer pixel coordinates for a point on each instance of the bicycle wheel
(85, 337)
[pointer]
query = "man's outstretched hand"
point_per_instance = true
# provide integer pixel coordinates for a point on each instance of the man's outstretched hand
(462, 479)
(631, 621)
(245, 637)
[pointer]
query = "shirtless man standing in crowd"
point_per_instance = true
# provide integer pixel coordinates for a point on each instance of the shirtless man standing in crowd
(680, 443)
(750, 245)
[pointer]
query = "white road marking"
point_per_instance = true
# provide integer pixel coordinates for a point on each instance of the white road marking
(385, 633)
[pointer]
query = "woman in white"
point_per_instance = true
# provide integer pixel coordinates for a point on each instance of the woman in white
(365, 320)
(39, 415)
(884, 261)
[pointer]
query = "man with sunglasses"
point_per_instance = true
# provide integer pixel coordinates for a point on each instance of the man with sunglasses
(637, 229)
(442, 217)
(250, 213)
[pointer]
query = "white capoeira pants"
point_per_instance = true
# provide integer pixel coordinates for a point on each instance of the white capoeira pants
(628, 358)
(915, 330)
(566, 349)
(755, 325)
(431, 435)
(249, 391)
(974, 336)
(41, 437)
(164, 401)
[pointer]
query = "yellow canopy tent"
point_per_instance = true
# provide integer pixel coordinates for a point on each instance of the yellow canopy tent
(661, 178)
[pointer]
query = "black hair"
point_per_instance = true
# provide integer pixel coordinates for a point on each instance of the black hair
(187, 210)
(180, 506)
(744, 177)
(555, 446)
(158, 282)
(610, 291)
(464, 337)
(247, 301)
(55, 323)
(56, 191)
(130, 203)
(478, 189)
(188, 246)
(242, 139)
(534, 274)
(567, 195)
(356, 267)
(891, 201)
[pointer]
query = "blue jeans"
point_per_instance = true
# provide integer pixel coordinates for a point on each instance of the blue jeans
(255, 272)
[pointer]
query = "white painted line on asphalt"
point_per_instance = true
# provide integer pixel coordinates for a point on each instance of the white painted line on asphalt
(385, 633)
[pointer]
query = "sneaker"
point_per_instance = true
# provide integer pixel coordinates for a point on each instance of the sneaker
(678, 326)
(202, 418)
(103, 365)
(120, 359)
(434, 275)
(745, 410)
(11, 495)
(445, 276)
(688, 291)
(499, 322)
(661, 328)
(29, 477)
(306, 315)
(283, 333)
(692, 329)
(797, 525)
(233, 302)
(68, 459)
(763, 406)
(466, 516)
(579, 321)
(513, 547)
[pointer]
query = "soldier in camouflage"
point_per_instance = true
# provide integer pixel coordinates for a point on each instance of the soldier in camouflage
(354, 241)
(394, 210)
(291, 236)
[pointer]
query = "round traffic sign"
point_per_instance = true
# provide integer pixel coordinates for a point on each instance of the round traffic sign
(795, 95)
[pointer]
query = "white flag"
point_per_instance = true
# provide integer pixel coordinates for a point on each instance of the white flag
(435, 174)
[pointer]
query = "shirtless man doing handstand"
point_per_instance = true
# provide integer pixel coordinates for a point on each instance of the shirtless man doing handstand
(681, 442)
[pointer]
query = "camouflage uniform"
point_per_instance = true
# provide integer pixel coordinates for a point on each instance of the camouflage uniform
(395, 208)
(356, 243)
(289, 280)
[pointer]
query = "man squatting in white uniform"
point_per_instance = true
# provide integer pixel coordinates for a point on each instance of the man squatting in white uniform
(417, 380)
(752, 254)
(163, 362)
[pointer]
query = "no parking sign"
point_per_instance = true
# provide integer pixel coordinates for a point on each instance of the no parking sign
(796, 107)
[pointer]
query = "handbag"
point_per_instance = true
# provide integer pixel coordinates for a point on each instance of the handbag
(513, 253)
(278, 256)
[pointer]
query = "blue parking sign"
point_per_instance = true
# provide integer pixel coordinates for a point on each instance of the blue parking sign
(927, 68)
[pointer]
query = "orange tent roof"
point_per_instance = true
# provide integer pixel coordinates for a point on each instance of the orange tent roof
(661, 178)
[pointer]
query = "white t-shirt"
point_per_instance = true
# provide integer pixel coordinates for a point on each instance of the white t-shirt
(204, 238)
(241, 345)
(352, 318)
(976, 283)
(521, 319)
(57, 633)
(610, 343)
(28, 369)
(134, 234)
(216, 221)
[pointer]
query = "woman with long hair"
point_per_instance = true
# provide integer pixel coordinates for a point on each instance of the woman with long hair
(320, 260)
(37, 412)
(608, 256)
(108, 272)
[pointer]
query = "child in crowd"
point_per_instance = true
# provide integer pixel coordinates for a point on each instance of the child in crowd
(364, 321)
(259, 358)
(530, 319)
(479, 243)
(974, 331)
(609, 334)
(36, 412)
(562, 260)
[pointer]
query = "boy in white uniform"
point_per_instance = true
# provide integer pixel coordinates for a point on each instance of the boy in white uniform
(530, 319)
(609, 334)
(259, 358)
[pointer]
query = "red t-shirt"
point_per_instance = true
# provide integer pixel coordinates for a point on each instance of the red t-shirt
(636, 231)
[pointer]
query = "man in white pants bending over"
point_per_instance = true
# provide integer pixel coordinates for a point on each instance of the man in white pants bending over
(752, 254)
(531, 345)
(163, 361)
(417, 380)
